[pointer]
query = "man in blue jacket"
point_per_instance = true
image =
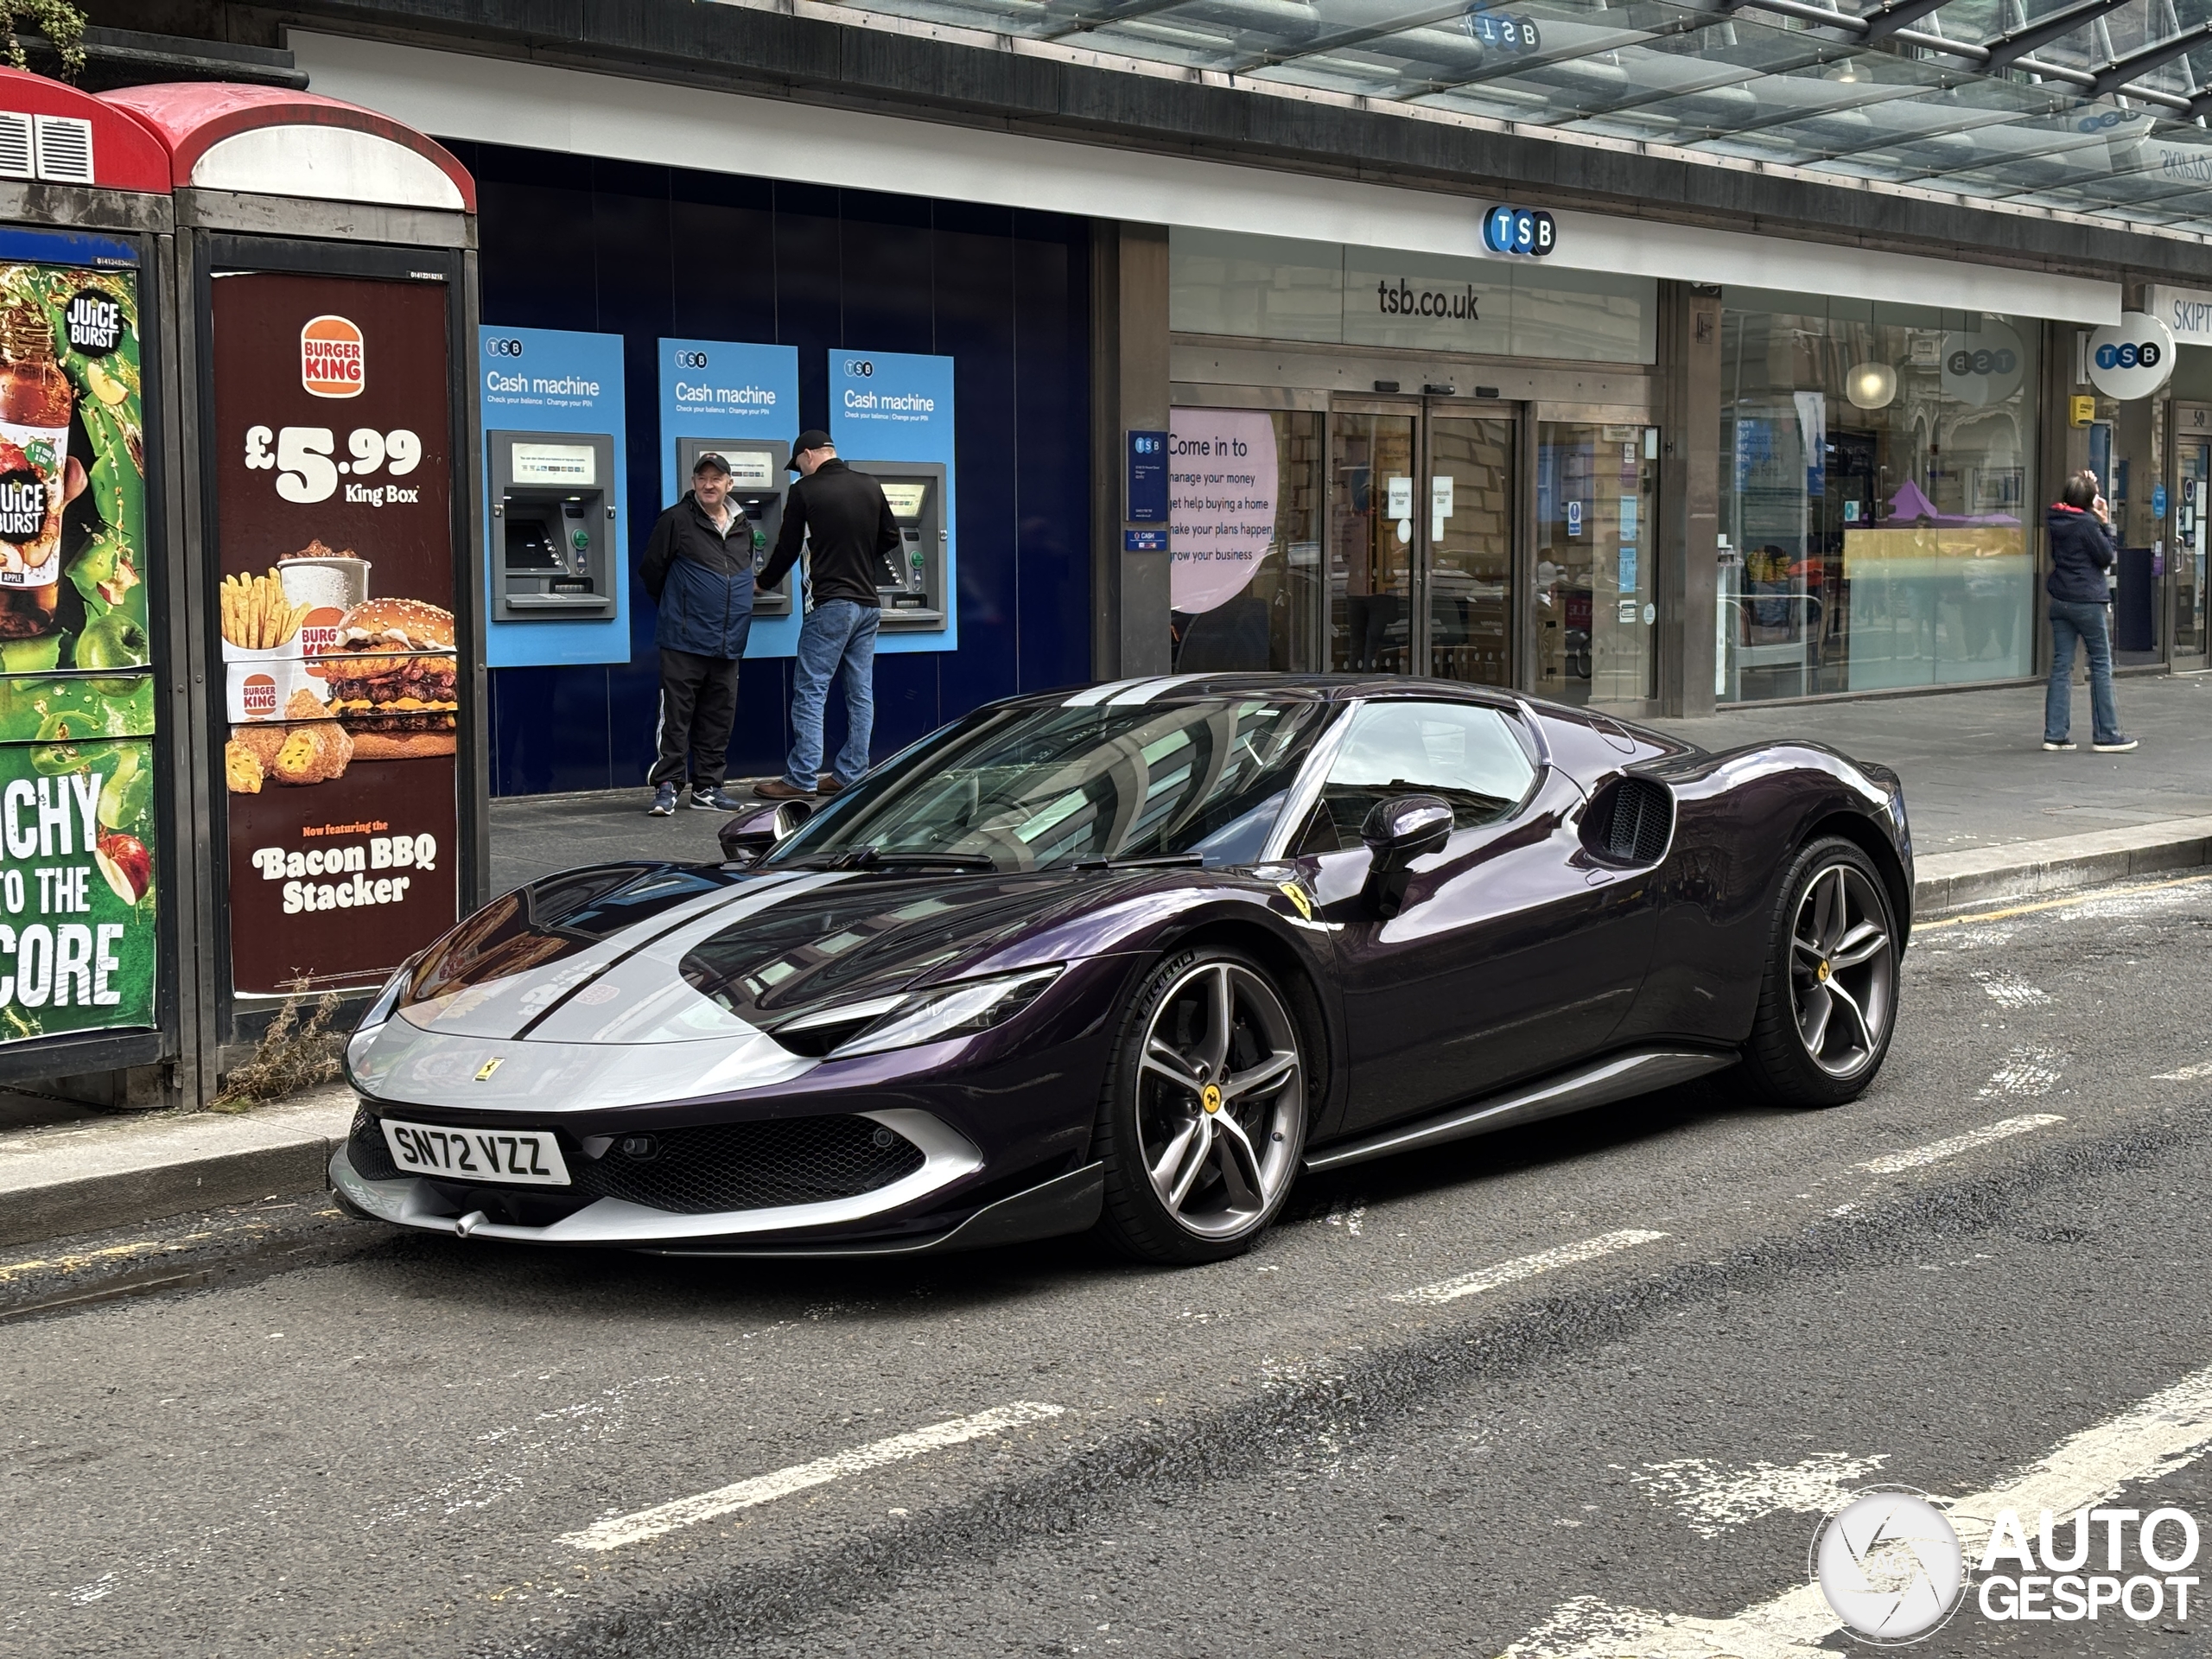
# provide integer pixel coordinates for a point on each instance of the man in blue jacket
(2080, 585)
(698, 567)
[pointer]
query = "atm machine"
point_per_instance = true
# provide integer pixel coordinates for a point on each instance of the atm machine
(757, 483)
(910, 585)
(554, 525)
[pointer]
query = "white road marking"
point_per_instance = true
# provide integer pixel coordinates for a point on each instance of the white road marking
(2009, 990)
(1714, 1499)
(1525, 1267)
(2151, 1439)
(2187, 1074)
(1914, 1157)
(2028, 1071)
(617, 1531)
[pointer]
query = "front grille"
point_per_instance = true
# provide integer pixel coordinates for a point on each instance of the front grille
(753, 1166)
(365, 1150)
(720, 1166)
(1632, 822)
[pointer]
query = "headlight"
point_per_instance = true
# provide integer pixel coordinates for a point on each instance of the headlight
(387, 999)
(929, 1016)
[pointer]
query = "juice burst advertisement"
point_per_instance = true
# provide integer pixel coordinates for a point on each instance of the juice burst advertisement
(78, 833)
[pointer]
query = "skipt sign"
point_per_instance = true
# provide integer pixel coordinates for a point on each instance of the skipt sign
(341, 685)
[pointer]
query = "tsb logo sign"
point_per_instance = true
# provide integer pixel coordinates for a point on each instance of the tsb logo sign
(1519, 230)
(2129, 355)
(2129, 358)
(859, 367)
(496, 346)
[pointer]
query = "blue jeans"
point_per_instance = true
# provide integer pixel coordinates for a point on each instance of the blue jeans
(837, 632)
(2091, 625)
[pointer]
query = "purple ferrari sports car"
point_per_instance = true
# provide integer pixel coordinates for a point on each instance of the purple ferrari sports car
(1131, 958)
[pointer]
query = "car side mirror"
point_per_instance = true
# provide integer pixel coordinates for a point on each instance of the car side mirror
(1398, 831)
(751, 835)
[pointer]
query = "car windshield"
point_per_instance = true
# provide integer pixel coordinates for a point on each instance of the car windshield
(1032, 788)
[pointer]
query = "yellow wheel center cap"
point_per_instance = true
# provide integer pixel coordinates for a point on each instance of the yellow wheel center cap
(1209, 1097)
(1821, 973)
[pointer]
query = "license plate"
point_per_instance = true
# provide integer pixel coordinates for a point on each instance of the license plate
(525, 1157)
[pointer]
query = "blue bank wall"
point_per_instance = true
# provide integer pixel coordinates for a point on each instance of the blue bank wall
(649, 252)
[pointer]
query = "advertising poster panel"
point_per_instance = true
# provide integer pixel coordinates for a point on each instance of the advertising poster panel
(77, 834)
(333, 483)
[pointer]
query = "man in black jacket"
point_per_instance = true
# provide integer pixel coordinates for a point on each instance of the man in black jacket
(698, 567)
(846, 523)
(2080, 586)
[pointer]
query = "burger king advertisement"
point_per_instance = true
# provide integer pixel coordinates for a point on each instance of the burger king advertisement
(78, 904)
(340, 686)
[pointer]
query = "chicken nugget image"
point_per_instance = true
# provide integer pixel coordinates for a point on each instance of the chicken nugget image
(242, 768)
(304, 704)
(261, 742)
(313, 753)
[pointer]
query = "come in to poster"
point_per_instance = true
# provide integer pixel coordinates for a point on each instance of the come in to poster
(78, 829)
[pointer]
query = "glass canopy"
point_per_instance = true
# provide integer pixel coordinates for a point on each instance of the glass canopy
(2082, 106)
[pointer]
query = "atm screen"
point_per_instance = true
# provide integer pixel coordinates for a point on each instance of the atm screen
(906, 496)
(530, 545)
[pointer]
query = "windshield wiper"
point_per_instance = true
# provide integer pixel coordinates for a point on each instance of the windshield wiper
(1147, 862)
(876, 858)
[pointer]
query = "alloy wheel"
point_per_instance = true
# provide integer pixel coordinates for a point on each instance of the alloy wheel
(1843, 970)
(1221, 1099)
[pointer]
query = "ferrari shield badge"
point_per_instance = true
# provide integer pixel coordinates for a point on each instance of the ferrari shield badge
(484, 1073)
(1298, 895)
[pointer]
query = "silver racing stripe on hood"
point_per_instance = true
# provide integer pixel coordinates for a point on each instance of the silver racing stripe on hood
(405, 1065)
(509, 1007)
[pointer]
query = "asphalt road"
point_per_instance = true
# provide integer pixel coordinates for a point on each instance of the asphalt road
(1577, 1392)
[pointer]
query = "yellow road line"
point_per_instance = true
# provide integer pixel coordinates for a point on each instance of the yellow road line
(2086, 895)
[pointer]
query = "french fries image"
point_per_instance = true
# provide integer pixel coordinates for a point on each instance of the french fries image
(257, 616)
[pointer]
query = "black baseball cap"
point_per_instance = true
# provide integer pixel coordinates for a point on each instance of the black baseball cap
(813, 438)
(709, 461)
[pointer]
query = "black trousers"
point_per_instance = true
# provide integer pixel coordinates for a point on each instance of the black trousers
(698, 706)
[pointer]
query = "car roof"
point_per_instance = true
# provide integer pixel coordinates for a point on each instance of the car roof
(1317, 688)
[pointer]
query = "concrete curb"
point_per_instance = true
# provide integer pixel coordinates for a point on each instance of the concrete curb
(2029, 869)
(125, 1172)
(122, 1172)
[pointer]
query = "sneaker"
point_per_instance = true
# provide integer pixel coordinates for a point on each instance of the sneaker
(714, 800)
(777, 789)
(2058, 745)
(664, 804)
(2119, 744)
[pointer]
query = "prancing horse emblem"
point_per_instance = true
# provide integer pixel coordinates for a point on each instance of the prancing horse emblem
(489, 1066)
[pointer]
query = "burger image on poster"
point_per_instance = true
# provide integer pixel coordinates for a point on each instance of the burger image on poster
(1220, 513)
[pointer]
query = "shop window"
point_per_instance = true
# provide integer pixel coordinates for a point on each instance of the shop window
(1244, 573)
(1877, 496)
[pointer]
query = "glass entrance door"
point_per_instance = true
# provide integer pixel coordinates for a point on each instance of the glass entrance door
(1421, 539)
(1594, 603)
(2193, 501)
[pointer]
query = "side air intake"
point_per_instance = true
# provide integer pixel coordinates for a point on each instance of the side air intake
(1632, 822)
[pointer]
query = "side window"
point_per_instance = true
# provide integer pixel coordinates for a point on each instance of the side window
(1466, 753)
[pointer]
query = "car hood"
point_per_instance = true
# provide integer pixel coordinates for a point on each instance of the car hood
(660, 954)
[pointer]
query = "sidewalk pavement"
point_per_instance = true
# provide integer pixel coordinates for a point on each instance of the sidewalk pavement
(1994, 817)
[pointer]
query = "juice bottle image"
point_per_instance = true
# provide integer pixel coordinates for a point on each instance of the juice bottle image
(35, 400)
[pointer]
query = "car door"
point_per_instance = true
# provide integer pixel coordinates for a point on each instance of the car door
(1513, 953)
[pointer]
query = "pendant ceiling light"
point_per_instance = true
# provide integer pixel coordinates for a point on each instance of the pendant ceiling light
(1871, 385)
